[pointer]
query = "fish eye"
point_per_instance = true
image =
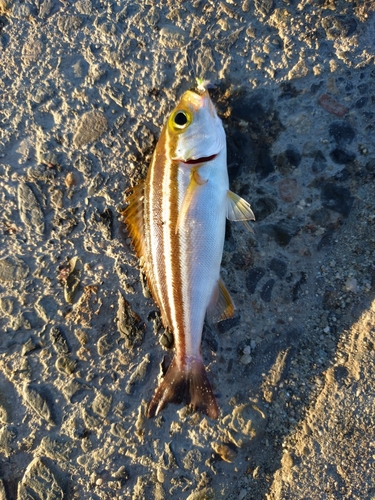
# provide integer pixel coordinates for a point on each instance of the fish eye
(180, 119)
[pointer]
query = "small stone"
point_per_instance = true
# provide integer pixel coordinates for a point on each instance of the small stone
(68, 23)
(288, 190)
(351, 285)
(332, 106)
(91, 127)
(13, 269)
(138, 374)
(224, 451)
(245, 359)
(263, 207)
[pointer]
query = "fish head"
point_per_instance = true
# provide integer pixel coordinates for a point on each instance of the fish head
(194, 129)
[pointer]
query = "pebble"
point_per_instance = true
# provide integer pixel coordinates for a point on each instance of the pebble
(246, 359)
(288, 190)
(266, 292)
(279, 267)
(331, 106)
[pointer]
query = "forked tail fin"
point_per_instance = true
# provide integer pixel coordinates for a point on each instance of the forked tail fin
(185, 382)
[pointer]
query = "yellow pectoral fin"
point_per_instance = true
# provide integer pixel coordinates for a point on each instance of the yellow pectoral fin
(195, 182)
(239, 209)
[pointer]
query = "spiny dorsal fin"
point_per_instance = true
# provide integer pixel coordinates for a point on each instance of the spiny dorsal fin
(221, 306)
(134, 220)
(239, 209)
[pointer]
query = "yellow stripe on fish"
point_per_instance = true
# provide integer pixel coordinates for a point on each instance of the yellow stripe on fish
(176, 221)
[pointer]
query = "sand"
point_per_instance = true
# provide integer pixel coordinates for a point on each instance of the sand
(85, 87)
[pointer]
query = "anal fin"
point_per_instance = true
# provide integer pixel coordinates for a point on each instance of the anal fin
(221, 306)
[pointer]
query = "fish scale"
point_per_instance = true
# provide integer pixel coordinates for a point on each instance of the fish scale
(176, 221)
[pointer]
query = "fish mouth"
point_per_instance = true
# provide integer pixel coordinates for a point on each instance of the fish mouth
(204, 159)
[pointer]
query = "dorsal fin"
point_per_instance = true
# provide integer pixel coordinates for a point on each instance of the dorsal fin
(134, 220)
(221, 305)
(239, 209)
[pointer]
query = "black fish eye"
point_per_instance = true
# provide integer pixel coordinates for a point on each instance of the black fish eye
(181, 118)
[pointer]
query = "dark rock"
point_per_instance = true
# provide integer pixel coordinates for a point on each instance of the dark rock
(263, 207)
(297, 286)
(319, 164)
(342, 132)
(293, 155)
(362, 88)
(129, 324)
(253, 278)
(336, 198)
(361, 102)
(288, 91)
(279, 232)
(339, 26)
(227, 324)
(341, 157)
(370, 165)
(279, 267)
(266, 292)
(340, 373)
(343, 175)
(264, 165)
(58, 341)
(288, 190)
(321, 217)
(263, 7)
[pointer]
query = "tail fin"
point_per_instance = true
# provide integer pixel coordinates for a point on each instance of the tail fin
(185, 382)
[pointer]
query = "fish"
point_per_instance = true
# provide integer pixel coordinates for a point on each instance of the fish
(176, 221)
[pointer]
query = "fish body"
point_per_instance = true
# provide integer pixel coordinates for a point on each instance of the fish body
(176, 220)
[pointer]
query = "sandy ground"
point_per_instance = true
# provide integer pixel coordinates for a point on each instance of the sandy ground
(85, 87)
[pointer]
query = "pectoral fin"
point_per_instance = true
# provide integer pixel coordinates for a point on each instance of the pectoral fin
(239, 209)
(221, 305)
(195, 182)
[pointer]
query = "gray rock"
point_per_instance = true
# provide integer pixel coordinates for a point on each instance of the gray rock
(37, 402)
(39, 483)
(13, 269)
(91, 127)
(30, 211)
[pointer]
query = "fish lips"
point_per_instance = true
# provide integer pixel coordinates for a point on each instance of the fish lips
(195, 161)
